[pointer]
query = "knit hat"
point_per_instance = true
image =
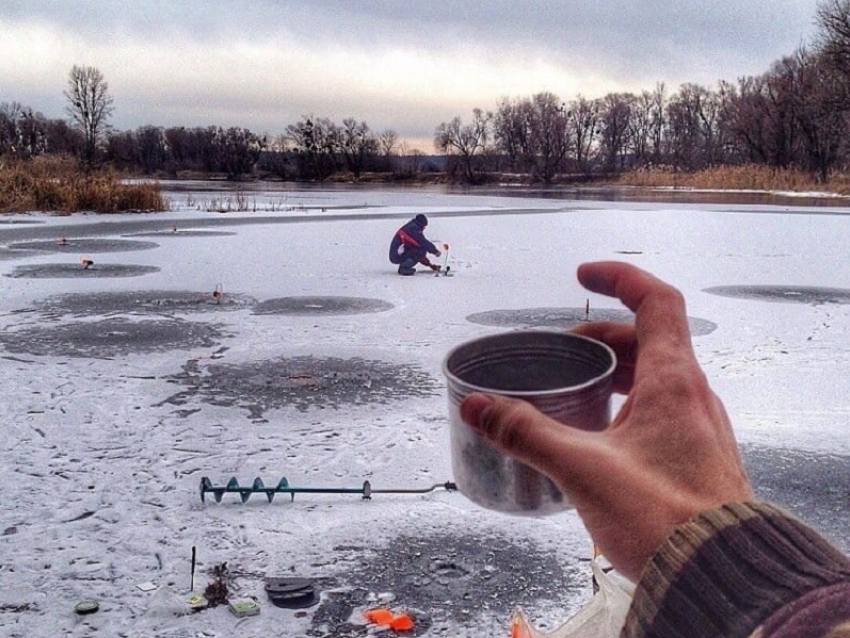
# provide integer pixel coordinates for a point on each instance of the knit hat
(421, 220)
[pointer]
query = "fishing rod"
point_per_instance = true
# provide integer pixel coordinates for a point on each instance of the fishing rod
(445, 270)
(283, 487)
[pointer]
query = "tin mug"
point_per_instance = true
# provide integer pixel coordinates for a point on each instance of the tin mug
(566, 376)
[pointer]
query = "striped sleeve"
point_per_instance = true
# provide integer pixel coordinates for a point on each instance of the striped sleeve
(733, 571)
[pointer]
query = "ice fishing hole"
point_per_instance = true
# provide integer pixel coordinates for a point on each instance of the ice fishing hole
(313, 306)
(566, 318)
(811, 295)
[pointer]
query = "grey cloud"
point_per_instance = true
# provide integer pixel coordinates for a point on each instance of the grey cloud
(631, 43)
(589, 29)
(556, 27)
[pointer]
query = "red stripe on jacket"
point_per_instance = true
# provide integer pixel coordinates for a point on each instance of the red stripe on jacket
(407, 240)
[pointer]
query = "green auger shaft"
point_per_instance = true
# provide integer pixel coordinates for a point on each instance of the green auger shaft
(258, 487)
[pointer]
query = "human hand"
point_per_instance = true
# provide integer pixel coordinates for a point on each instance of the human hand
(437, 253)
(670, 451)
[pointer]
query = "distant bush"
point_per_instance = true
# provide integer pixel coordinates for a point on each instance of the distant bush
(745, 177)
(54, 184)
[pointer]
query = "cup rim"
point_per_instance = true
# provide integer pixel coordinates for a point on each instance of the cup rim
(470, 387)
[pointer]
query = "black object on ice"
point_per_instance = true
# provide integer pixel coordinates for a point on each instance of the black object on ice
(291, 593)
(86, 607)
(192, 582)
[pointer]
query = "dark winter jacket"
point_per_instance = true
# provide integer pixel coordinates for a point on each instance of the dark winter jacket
(410, 235)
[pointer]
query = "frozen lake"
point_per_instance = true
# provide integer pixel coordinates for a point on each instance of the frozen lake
(128, 381)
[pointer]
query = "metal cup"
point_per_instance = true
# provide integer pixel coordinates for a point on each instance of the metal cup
(566, 376)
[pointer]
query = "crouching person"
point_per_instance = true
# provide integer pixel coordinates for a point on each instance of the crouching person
(410, 247)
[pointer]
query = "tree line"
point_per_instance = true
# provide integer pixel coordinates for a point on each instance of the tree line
(796, 114)
(314, 148)
(311, 149)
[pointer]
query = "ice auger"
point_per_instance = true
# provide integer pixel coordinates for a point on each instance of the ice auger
(283, 486)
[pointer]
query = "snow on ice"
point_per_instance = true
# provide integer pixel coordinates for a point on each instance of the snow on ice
(279, 342)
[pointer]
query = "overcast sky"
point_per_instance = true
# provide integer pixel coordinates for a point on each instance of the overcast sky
(402, 64)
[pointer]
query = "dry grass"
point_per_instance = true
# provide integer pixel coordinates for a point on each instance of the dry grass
(55, 185)
(747, 177)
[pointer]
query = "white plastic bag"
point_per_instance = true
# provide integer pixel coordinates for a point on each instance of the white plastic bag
(602, 617)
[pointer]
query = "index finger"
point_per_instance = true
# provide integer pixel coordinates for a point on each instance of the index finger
(661, 322)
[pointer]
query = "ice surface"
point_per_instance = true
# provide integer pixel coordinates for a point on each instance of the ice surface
(103, 447)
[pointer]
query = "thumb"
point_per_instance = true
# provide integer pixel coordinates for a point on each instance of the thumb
(522, 431)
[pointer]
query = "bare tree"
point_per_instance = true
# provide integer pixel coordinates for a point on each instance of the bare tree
(469, 141)
(409, 162)
(236, 150)
(511, 130)
(583, 119)
(316, 144)
(533, 133)
(152, 148)
(23, 133)
(692, 119)
(821, 112)
(357, 144)
(657, 121)
(89, 107)
(833, 40)
(387, 142)
(615, 122)
(645, 133)
(550, 138)
(639, 131)
(760, 116)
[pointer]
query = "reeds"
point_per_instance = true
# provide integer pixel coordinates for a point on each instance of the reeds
(744, 177)
(54, 184)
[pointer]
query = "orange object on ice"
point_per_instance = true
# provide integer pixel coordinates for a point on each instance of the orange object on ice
(401, 622)
(517, 630)
(378, 616)
(398, 622)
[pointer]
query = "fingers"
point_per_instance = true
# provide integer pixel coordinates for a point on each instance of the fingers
(661, 322)
(621, 339)
(619, 336)
(520, 430)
